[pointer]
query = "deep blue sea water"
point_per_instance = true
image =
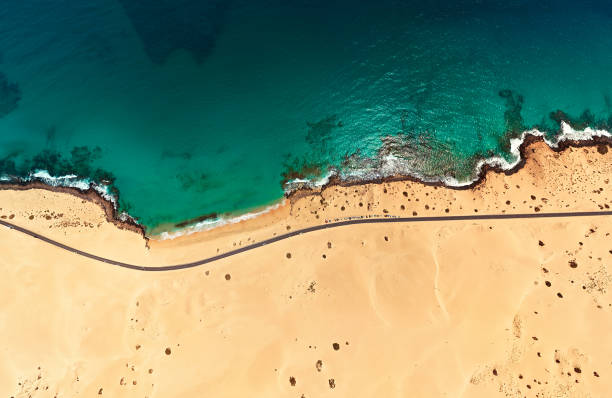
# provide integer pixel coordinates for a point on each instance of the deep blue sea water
(191, 107)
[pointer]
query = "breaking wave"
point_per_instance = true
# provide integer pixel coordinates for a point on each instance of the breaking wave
(70, 181)
(217, 222)
(390, 162)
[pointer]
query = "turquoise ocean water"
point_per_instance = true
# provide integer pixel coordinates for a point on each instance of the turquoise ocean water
(194, 107)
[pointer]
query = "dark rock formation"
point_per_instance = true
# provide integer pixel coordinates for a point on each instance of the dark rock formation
(168, 25)
(10, 95)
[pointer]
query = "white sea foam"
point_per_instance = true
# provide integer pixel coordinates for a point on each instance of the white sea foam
(65, 181)
(390, 165)
(210, 224)
(70, 180)
(298, 183)
(387, 166)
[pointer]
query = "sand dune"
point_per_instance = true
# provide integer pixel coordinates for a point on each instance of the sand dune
(460, 309)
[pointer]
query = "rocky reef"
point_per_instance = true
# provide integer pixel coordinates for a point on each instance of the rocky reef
(168, 25)
(10, 95)
(313, 164)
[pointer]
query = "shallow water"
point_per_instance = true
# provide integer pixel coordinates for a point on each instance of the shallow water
(198, 107)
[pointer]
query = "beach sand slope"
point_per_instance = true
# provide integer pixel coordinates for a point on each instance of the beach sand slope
(508, 308)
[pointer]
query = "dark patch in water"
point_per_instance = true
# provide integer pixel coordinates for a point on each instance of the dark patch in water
(586, 119)
(441, 159)
(168, 25)
(8, 166)
(176, 155)
(10, 95)
(199, 182)
(80, 163)
(431, 157)
(312, 164)
(423, 152)
(211, 216)
(50, 134)
(82, 157)
(320, 132)
(296, 168)
(512, 117)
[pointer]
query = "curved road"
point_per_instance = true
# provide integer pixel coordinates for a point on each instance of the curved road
(300, 232)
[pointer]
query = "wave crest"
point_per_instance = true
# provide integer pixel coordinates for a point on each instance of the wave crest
(394, 158)
(207, 225)
(72, 181)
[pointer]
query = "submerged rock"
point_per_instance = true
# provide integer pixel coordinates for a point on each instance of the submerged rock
(10, 95)
(165, 26)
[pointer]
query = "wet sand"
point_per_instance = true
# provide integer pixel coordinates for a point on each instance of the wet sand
(462, 308)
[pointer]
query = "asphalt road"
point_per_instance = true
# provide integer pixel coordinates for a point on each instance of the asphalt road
(300, 232)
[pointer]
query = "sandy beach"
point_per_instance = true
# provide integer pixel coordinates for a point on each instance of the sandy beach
(508, 308)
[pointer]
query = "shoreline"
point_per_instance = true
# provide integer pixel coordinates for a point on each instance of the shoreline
(207, 223)
(485, 166)
(510, 277)
(90, 195)
(190, 226)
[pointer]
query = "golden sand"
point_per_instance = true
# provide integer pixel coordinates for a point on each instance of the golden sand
(508, 308)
